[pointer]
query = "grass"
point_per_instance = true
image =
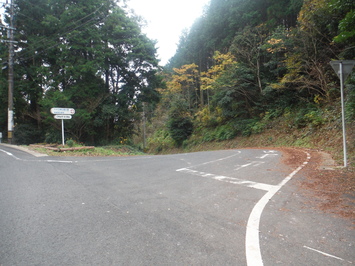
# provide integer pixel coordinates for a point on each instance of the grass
(104, 151)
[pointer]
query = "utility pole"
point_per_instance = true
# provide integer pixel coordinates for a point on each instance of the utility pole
(10, 35)
(10, 112)
(144, 129)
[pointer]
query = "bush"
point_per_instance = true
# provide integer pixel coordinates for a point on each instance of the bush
(350, 103)
(315, 118)
(180, 128)
(53, 137)
(208, 136)
(160, 140)
(27, 134)
(70, 143)
(180, 123)
(225, 132)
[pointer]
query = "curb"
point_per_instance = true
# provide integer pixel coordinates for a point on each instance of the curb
(34, 153)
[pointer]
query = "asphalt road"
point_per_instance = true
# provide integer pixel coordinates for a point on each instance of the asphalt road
(233, 207)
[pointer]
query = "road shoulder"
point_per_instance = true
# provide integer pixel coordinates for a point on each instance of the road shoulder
(25, 149)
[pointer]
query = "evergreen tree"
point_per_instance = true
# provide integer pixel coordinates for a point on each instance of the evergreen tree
(89, 55)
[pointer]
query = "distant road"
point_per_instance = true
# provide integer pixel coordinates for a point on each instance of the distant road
(200, 208)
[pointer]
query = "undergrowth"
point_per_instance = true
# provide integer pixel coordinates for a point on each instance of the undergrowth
(311, 127)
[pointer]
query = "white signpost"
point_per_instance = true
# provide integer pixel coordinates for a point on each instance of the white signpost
(62, 117)
(343, 69)
(62, 113)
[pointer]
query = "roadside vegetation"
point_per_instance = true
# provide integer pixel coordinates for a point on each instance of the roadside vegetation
(247, 73)
(81, 150)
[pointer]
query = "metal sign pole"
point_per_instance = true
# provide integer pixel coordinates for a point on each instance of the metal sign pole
(343, 69)
(343, 112)
(62, 113)
(62, 132)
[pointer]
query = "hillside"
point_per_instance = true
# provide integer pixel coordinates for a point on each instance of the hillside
(249, 73)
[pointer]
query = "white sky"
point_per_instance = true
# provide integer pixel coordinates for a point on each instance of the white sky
(165, 21)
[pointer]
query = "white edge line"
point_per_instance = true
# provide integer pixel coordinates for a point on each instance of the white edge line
(323, 253)
(252, 246)
(62, 161)
(49, 161)
(10, 154)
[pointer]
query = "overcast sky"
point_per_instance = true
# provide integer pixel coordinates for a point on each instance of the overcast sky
(166, 19)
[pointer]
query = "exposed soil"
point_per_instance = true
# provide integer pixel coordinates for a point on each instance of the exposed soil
(325, 187)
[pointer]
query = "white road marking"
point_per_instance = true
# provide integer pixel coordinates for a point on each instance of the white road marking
(326, 254)
(270, 151)
(232, 180)
(59, 161)
(48, 161)
(214, 161)
(265, 155)
(242, 166)
(64, 161)
(253, 253)
(252, 246)
(10, 154)
(253, 163)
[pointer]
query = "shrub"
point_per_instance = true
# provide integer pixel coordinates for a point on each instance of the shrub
(27, 134)
(225, 132)
(70, 143)
(350, 103)
(315, 118)
(160, 140)
(180, 128)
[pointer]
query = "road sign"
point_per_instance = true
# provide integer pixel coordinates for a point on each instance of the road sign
(62, 116)
(343, 70)
(62, 111)
(343, 67)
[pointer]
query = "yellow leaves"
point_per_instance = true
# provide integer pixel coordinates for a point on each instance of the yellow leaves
(189, 70)
(174, 86)
(223, 61)
(309, 11)
(205, 117)
(274, 41)
(318, 99)
(277, 45)
(185, 78)
(206, 82)
(189, 82)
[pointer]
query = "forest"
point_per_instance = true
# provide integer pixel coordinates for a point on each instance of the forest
(88, 55)
(246, 67)
(242, 68)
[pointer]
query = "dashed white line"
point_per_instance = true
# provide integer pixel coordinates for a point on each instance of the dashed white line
(214, 161)
(232, 180)
(254, 163)
(242, 166)
(265, 155)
